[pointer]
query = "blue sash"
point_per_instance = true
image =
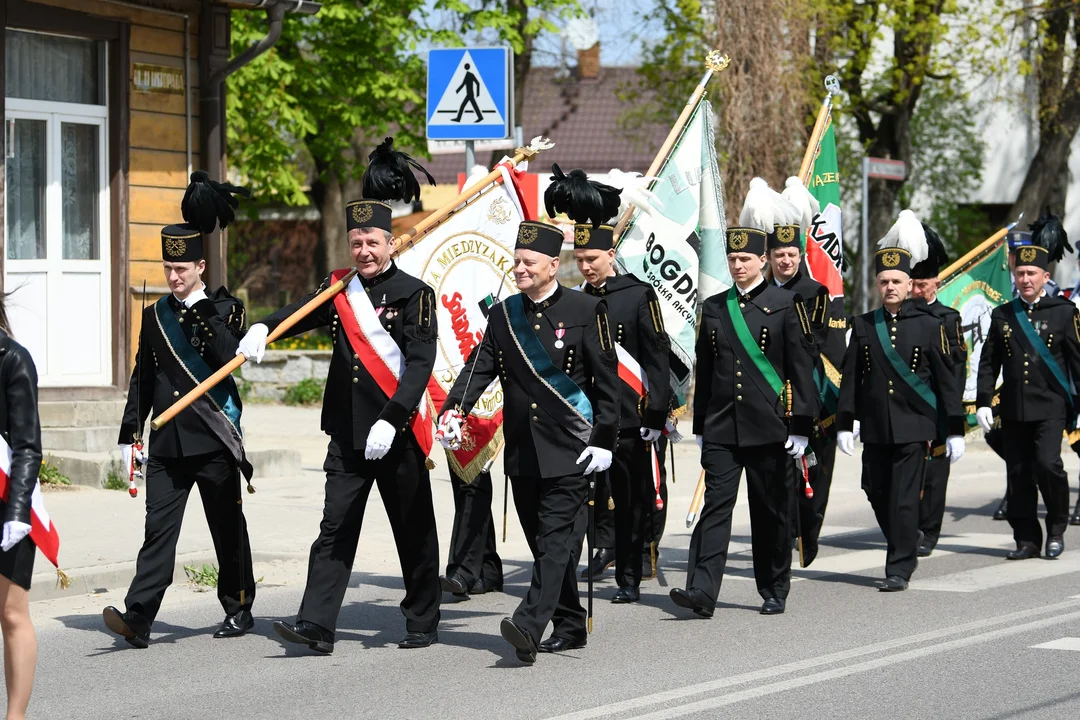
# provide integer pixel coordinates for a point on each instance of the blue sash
(912, 380)
(566, 389)
(224, 395)
(1037, 344)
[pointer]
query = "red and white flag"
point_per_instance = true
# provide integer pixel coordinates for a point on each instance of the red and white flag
(42, 530)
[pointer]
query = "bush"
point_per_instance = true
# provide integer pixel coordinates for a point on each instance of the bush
(113, 481)
(51, 475)
(202, 578)
(308, 391)
(309, 341)
(244, 388)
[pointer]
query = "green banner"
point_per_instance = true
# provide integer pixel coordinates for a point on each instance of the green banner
(974, 292)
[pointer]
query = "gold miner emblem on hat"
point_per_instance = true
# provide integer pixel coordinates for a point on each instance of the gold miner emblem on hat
(175, 247)
(527, 234)
(581, 236)
(738, 240)
(361, 213)
(890, 259)
(785, 234)
(1027, 254)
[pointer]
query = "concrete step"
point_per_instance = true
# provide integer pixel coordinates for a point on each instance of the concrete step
(91, 469)
(80, 413)
(79, 439)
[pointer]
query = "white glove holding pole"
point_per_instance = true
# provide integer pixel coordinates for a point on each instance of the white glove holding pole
(985, 416)
(954, 448)
(379, 439)
(846, 442)
(599, 462)
(14, 531)
(253, 344)
(130, 452)
(448, 433)
(649, 435)
(796, 445)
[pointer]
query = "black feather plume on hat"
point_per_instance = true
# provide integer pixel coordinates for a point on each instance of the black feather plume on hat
(583, 200)
(936, 252)
(208, 204)
(389, 175)
(1048, 232)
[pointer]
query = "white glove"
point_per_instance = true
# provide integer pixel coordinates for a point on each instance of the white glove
(448, 432)
(379, 439)
(253, 344)
(846, 442)
(14, 531)
(954, 448)
(700, 442)
(985, 416)
(649, 435)
(600, 459)
(796, 445)
(195, 297)
(856, 428)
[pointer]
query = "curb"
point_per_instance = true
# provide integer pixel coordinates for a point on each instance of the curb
(94, 579)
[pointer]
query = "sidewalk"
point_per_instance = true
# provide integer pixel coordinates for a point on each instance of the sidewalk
(101, 530)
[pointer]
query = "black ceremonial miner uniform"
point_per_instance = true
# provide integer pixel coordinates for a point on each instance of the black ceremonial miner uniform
(1033, 409)
(352, 404)
(634, 314)
(550, 492)
(932, 504)
(186, 452)
(897, 426)
(743, 424)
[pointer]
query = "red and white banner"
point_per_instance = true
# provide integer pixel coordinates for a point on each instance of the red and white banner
(467, 259)
(42, 530)
(378, 351)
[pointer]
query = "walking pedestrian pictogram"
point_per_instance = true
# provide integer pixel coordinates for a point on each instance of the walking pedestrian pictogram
(469, 94)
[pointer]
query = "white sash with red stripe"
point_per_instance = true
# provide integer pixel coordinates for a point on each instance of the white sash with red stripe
(378, 351)
(630, 372)
(42, 530)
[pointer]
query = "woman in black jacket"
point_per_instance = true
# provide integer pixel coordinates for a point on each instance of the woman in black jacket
(21, 431)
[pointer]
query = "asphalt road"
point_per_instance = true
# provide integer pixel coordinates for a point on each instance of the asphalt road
(962, 642)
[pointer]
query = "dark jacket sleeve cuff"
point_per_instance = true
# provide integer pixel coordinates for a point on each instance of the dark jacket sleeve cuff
(956, 425)
(654, 419)
(801, 425)
(17, 512)
(845, 422)
(127, 436)
(604, 436)
(396, 414)
(983, 401)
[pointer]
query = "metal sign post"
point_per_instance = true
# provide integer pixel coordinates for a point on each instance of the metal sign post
(883, 169)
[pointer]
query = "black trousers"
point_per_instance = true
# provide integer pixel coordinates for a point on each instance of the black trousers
(631, 482)
(1033, 455)
(996, 440)
(892, 476)
(168, 484)
(473, 553)
(812, 510)
(768, 484)
(604, 517)
(405, 488)
(932, 504)
(553, 515)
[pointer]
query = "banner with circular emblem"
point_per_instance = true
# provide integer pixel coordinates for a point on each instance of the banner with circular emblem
(469, 261)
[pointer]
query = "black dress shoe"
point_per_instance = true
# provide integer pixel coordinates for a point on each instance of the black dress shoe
(131, 626)
(626, 595)
(1075, 519)
(1002, 512)
(925, 549)
(483, 585)
(519, 637)
(1023, 551)
(893, 583)
(1055, 545)
(601, 561)
(236, 625)
(455, 584)
(773, 606)
(307, 633)
(418, 639)
(693, 599)
(556, 644)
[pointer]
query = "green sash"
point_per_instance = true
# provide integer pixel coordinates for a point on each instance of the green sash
(757, 357)
(1037, 344)
(898, 365)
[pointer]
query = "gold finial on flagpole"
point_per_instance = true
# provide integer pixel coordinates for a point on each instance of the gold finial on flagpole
(716, 61)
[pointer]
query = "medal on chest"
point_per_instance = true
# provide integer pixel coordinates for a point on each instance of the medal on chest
(559, 338)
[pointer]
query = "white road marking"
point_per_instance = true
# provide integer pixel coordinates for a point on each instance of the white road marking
(622, 708)
(1001, 574)
(1067, 643)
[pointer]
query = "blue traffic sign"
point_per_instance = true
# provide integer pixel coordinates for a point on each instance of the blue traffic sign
(470, 94)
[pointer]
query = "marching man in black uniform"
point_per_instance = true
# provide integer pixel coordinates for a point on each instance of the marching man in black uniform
(185, 337)
(552, 349)
(473, 566)
(383, 330)
(900, 385)
(924, 288)
(754, 409)
(1035, 342)
(642, 347)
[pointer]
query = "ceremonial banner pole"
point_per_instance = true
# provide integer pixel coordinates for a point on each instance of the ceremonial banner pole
(832, 87)
(979, 249)
(404, 242)
(714, 63)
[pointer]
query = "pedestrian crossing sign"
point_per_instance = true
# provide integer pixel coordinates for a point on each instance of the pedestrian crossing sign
(470, 94)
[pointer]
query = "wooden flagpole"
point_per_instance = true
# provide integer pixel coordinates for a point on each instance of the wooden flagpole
(978, 250)
(832, 87)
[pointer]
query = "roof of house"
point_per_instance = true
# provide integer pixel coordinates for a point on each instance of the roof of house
(583, 118)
